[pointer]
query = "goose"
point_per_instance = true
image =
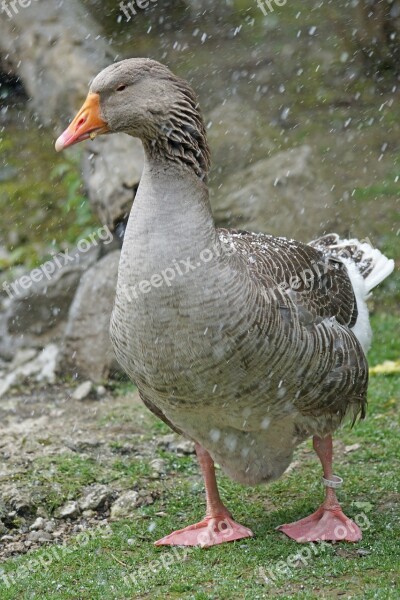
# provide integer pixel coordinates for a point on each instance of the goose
(245, 343)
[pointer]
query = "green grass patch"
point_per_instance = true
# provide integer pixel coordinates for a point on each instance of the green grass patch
(55, 479)
(386, 338)
(63, 476)
(373, 192)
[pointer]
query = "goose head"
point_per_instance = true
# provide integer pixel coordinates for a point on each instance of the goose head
(143, 98)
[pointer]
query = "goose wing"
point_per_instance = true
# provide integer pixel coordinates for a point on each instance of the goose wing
(316, 307)
(317, 283)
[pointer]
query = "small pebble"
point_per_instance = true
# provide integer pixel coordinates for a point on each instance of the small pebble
(158, 464)
(38, 524)
(82, 391)
(96, 497)
(101, 390)
(70, 509)
(40, 536)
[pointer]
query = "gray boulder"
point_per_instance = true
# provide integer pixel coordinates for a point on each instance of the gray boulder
(87, 349)
(35, 306)
(237, 137)
(281, 195)
(55, 48)
(41, 368)
(112, 167)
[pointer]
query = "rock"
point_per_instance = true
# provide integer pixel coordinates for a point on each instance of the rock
(97, 496)
(50, 526)
(280, 195)
(69, 47)
(37, 316)
(4, 365)
(48, 45)
(15, 548)
(40, 536)
(145, 498)
(39, 523)
(23, 356)
(101, 391)
(237, 137)
(178, 445)
(183, 447)
(3, 528)
(112, 168)
(19, 500)
(165, 440)
(60, 532)
(69, 510)
(87, 347)
(82, 391)
(352, 448)
(41, 369)
(3, 509)
(125, 505)
(158, 465)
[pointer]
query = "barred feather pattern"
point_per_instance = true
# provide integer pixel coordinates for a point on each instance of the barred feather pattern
(316, 301)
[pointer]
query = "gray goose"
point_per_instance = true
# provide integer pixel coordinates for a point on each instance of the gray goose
(245, 343)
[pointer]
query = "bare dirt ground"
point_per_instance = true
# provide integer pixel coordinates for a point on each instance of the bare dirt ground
(65, 462)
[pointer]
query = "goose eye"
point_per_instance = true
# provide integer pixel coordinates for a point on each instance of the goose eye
(121, 87)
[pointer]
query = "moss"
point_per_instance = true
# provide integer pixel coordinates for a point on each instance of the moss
(55, 479)
(41, 194)
(60, 478)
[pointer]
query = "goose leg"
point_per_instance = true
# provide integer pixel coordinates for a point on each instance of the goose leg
(218, 526)
(328, 522)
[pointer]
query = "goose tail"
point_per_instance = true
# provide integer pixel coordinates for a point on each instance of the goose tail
(372, 265)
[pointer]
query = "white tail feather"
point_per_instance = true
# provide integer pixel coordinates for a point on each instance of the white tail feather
(382, 269)
(370, 262)
(366, 266)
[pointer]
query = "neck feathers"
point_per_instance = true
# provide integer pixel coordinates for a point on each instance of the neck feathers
(181, 138)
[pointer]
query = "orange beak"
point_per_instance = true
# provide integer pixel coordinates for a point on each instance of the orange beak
(87, 124)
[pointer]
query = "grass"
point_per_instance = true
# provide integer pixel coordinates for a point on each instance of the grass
(53, 480)
(123, 563)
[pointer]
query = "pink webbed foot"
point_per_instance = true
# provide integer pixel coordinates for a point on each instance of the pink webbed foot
(326, 524)
(208, 532)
